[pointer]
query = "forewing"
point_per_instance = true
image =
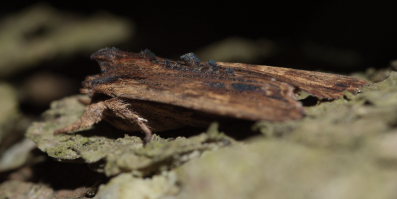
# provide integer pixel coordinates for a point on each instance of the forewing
(264, 100)
(253, 92)
(321, 85)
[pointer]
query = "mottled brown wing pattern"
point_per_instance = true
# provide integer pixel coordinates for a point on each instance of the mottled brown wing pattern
(274, 102)
(244, 91)
(146, 92)
(319, 84)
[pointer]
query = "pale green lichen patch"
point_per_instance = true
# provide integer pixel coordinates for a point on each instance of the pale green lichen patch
(346, 122)
(126, 186)
(23, 46)
(8, 111)
(118, 152)
(15, 189)
(12, 126)
(8, 108)
(277, 168)
(8, 104)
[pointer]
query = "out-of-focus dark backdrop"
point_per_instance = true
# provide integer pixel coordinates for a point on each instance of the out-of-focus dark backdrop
(334, 36)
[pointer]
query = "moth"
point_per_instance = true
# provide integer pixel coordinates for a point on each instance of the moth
(141, 91)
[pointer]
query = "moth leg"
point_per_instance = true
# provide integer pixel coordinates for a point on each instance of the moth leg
(123, 110)
(92, 115)
(95, 113)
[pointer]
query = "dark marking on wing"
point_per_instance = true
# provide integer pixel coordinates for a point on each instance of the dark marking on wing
(342, 85)
(231, 89)
(217, 85)
(245, 87)
(105, 80)
(319, 84)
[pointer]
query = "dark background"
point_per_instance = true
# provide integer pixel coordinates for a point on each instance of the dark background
(334, 36)
(170, 29)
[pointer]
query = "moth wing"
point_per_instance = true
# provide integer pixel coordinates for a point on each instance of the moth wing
(265, 100)
(319, 84)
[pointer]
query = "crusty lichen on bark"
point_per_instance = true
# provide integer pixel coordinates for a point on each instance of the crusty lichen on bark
(120, 153)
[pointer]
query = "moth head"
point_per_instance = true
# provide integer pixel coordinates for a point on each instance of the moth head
(108, 57)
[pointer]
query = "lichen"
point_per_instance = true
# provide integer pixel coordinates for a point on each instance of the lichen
(8, 104)
(346, 122)
(12, 125)
(341, 149)
(8, 109)
(120, 153)
(39, 33)
(278, 168)
(127, 186)
(14, 189)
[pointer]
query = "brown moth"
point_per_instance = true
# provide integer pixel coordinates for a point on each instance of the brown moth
(140, 91)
